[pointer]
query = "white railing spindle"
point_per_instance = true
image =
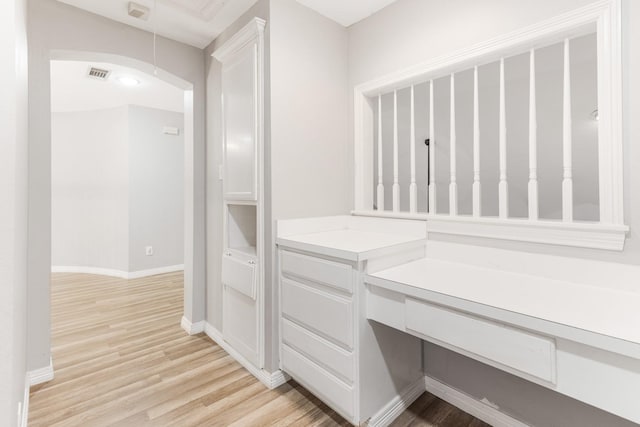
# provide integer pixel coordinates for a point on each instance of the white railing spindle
(567, 175)
(380, 188)
(453, 185)
(413, 187)
(533, 140)
(432, 153)
(477, 193)
(503, 186)
(396, 184)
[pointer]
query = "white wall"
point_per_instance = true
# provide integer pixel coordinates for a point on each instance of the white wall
(13, 214)
(90, 189)
(117, 187)
(56, 27)
(414, 31)
(156, 189)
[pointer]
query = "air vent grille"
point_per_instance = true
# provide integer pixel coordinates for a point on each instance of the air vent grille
(98, 73)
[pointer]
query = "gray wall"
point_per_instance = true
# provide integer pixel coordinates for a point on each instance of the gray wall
(306, 150)
(55, 27)
(13, 214)
(156, 189)
(89, 189)
(117, 186)
(413, 31)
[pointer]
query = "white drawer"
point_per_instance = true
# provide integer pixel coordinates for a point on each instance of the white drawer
(239, 273)
(326, 314)
(324, 353)
(487, 341)
(329, 389)
(318, 270)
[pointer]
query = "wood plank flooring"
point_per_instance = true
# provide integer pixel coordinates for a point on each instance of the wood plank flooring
(121, 359)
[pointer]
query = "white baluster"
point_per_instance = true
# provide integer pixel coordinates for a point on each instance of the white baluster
(503, 187)
(567, 181)
(533, 140)
(432, 153)
(453, 185)
(396, 184)
(413, 187)
(477, 199)
(380, 188)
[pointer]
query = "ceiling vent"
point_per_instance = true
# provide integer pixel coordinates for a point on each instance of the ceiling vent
(138, 11)
(98, 73)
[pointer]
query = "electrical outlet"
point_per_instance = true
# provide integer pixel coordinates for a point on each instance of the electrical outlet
(148, 251)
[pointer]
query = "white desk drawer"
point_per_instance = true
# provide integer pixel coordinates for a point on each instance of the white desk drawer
(329, 389)
(318, 270)
(326, 314)
(324, 353)
(484, 340)
(239, 273)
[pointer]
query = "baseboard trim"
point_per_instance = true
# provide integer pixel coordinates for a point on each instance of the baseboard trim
(270, 379)
(471, 405)
(129, 275)
(192, 328)
(24, 415)
(41, 375)
(398, 404)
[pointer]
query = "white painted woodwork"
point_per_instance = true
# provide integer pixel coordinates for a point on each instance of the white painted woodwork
(453, 185)
(533, 140)
(326, 354)
(483, 339)
(239, 272)
(477, 188)
(413, 187)
(242, 264)
(327, 387)
(327, 314)
(567, 136)
(380, 188)
(325, 272)
(503, 186)
(396, 184)
(610, 232)
(432, 152)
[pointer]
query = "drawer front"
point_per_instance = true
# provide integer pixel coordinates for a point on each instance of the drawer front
(239, 274)
(318, 270)
(484, 340)
(336, 360)
(329, 389)
(329, 315)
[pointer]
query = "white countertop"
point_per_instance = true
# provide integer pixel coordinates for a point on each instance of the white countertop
(611, 312)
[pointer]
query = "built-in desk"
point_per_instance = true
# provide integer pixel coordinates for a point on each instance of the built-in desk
(580, 340)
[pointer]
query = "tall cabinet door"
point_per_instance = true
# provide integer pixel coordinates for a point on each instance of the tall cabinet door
(240, 106)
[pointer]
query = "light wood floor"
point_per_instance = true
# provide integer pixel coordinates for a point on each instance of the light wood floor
(121, 359)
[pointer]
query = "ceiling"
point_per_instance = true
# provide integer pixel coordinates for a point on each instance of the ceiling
(198, 22)
(346, 12)
(73, 90)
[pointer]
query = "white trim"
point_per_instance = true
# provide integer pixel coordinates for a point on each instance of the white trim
(41, 375)
(24, 415)
(128, 275)
(471, 405)
(270, 379)
(247, 34)
(610, 232)
(192, 328)
(397, 405)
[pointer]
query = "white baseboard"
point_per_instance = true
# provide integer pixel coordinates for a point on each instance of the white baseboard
(24, 414)
(398, 404)
(471, 405)
(270, 379)
(116, 273)
(41, 375)
(192, 328)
